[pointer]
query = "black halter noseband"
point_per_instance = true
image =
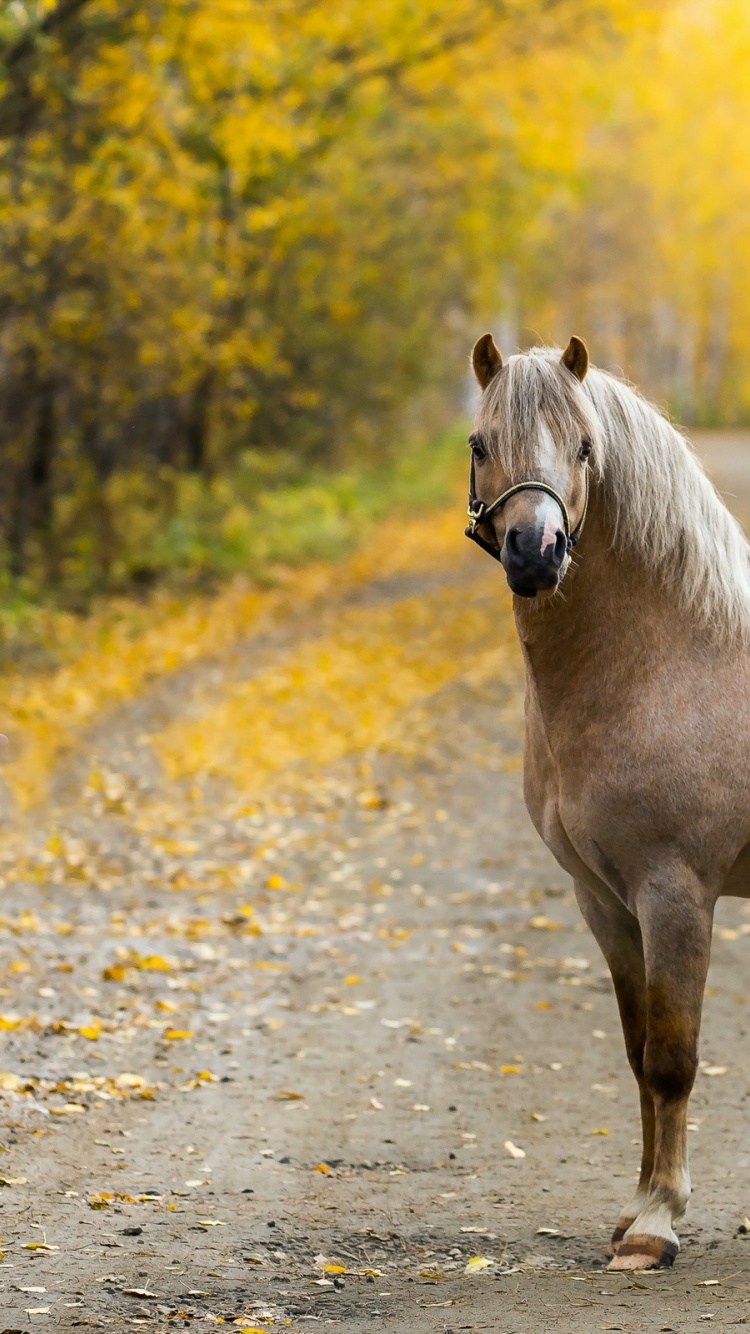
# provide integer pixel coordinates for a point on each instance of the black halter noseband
(479, 513)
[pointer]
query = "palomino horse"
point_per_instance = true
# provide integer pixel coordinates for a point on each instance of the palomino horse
(637, 717)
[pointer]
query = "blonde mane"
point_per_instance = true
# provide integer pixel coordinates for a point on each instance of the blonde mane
(662, 505)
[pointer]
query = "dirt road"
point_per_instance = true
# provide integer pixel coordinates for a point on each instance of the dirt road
(300, 1020)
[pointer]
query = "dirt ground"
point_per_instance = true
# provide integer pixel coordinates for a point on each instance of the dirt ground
(335, 1047)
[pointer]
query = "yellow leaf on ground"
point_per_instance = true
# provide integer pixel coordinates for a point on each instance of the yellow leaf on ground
(477, 1263)
(155, 963)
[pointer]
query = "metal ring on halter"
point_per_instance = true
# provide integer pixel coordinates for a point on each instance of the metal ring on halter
(479, 513)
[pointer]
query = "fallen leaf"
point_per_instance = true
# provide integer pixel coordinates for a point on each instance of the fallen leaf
(286, 1095)
(542, 923)
(129, 1081)
(324, 1168)
(334, 1269)
(711, 1071)
(9, 1082)
(175, 1034)
(477, 1263)
(707, 1283)
(154, 963)
(600, 1131)
(377, 1104)
(513, 1149)
(211, 1222)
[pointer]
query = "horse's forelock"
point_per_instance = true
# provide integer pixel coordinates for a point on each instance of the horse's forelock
(532, 391)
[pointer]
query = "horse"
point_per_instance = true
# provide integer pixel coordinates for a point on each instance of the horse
(631, 584)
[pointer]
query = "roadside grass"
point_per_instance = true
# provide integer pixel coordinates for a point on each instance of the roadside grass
(256, 527)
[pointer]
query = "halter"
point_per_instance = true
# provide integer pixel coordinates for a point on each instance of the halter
(478, 512)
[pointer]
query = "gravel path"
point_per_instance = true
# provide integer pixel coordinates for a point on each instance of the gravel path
(337, 1049)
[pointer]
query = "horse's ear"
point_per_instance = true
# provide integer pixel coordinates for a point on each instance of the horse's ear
(576, 358)
(486, 359)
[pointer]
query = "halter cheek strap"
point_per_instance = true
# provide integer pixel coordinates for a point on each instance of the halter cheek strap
(479, 513)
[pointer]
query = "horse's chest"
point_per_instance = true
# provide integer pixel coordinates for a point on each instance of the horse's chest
(544, 794)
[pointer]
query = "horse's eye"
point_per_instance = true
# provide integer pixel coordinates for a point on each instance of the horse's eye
(585, 449)
(478, 450)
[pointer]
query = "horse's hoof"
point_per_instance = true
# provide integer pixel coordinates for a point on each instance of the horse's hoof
(644, 1252)
(617, 1237)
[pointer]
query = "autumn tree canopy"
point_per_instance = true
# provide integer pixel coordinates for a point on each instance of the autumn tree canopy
(237, 233)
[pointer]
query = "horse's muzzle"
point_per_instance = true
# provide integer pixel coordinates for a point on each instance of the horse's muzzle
(530, 567)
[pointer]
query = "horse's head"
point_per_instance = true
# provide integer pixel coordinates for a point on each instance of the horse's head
(534, 425)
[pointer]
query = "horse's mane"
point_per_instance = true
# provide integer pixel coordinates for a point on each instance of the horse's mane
(662, 505)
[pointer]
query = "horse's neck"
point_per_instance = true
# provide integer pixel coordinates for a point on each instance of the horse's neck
(610, 613)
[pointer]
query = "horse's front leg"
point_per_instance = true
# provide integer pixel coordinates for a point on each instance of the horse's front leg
(618, 935)
(675, 914)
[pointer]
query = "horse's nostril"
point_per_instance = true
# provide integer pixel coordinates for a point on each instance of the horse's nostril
(561, 547)
(511, 539)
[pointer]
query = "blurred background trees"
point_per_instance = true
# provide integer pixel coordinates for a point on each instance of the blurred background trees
(246, 242)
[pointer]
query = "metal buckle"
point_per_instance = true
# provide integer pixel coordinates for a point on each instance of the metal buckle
(476, 515)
